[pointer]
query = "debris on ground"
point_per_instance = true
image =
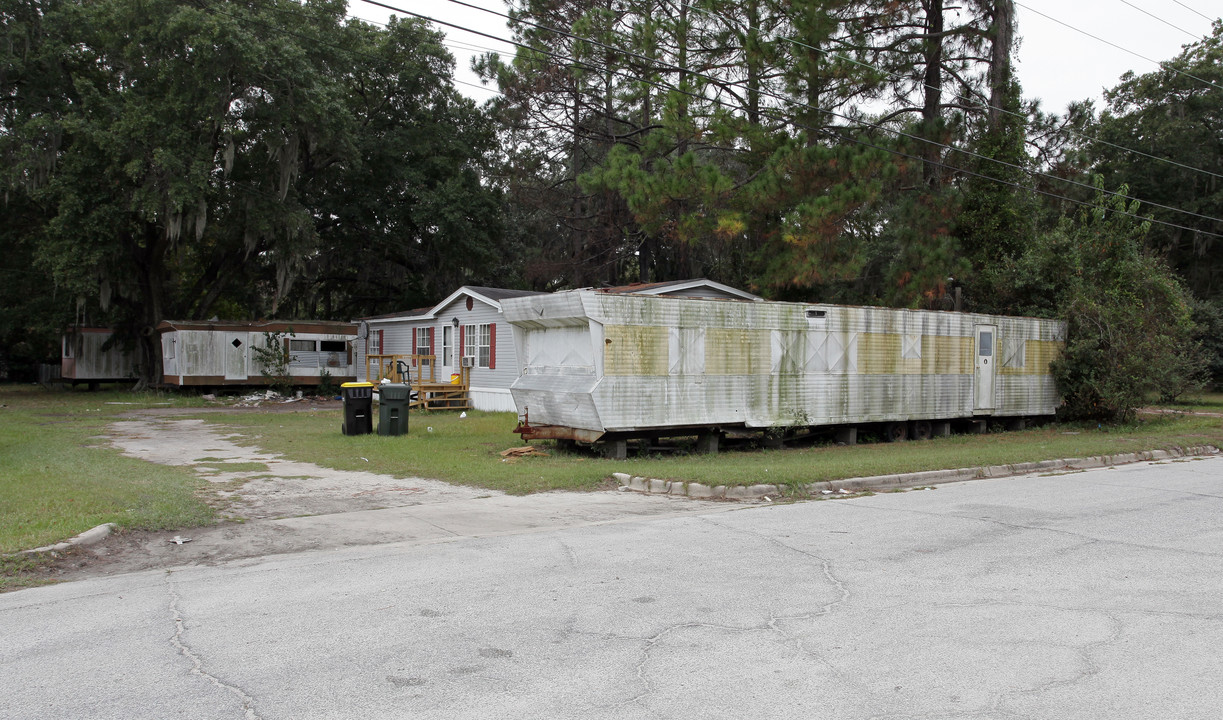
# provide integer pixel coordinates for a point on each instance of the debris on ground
(254, 399)
(525, 451)
(179, 540)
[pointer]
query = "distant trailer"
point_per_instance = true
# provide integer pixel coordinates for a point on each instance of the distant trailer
(220, 353)
(86, 358)
(603, 367)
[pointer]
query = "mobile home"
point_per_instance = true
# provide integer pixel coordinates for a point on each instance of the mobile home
(605, 367)
(220, 353)
(86, 358)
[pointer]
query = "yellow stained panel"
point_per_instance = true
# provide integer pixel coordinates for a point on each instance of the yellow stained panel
(635, 350)
(1037, 355)
(731, 351)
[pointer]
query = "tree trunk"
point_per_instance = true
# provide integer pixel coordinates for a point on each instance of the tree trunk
(1000, 59)
(933, 101)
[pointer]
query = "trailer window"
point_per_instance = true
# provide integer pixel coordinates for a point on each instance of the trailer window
(987, 344)
(332, 346)
(301, 346)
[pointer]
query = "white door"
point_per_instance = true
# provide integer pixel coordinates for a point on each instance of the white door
(983, 375)
(234, 350)
(446, 363)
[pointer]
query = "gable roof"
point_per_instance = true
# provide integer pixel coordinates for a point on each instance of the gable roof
(680, 288)
(487, 295)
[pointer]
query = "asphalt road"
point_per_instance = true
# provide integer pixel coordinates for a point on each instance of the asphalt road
(1089, 595)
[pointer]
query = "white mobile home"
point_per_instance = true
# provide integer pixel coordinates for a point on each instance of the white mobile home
(219, 353)
(85, 358)
(601, 366)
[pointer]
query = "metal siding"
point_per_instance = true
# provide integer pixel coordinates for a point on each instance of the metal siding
(635, 350)
(768, 364)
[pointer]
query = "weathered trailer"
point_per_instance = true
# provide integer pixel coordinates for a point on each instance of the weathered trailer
(221, 353)
(595, 367)
(88, 355)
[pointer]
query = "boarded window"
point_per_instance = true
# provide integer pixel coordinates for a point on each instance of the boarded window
(1014, 352)
(332, 346)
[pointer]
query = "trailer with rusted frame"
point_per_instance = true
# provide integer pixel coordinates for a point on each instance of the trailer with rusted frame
(605, 368)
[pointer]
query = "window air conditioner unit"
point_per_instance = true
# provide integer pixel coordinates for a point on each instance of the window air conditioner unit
(469, 361)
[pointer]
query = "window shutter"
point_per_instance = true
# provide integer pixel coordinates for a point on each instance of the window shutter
(492, 346)
(462, 346)
(380, 345)
(433, 343)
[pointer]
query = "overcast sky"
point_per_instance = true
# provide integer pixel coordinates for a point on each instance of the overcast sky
(1056, 63)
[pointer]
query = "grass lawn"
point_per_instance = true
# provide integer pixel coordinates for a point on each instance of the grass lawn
(466, 451)
(1202, 402)
(58, 478)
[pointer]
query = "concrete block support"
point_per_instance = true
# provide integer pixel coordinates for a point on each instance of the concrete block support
(940, 428)
(616, 449)
(707, 443)
(847, 436)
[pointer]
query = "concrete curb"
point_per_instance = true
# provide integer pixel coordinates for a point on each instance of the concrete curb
(699, 491)
(89, 537)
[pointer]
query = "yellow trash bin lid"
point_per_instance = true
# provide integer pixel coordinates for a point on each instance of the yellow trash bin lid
(357, 384)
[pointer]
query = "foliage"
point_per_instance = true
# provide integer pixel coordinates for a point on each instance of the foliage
(1130, 328)
(273, 360)
(674, 138)
(326, 384)
(183, 160)
(1173, 116)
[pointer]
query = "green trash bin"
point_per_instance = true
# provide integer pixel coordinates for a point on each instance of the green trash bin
(358, 408)
(393, 399)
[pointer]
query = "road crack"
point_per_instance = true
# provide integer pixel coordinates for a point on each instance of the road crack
(197, 665)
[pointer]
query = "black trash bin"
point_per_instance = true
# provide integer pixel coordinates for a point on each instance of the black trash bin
(358, 408)
(393, 399)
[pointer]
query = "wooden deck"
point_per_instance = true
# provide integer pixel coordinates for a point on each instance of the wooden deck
(429, 392)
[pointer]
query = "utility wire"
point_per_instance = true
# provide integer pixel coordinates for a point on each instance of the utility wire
(825, 131)
(979, 104)
(1165, 22)
(1178, 2)
(1164, 66)
(669, 67)
(212, 8)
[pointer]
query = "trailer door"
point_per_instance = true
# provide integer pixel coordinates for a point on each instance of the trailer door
(234, 352)
(983, 375)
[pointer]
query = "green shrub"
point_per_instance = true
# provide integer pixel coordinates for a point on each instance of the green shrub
(1130, 330)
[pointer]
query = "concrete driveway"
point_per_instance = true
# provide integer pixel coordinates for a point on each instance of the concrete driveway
(1095, 594)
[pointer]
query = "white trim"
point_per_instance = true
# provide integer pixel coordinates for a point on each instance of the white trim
(492, 399)
(690, 284)
(432, 313)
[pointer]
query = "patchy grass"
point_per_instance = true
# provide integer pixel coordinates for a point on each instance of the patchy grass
(1202, 402)
(58, 479)
(466, 451)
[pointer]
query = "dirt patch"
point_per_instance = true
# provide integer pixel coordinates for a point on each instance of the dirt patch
(258, 485)
(273, 505)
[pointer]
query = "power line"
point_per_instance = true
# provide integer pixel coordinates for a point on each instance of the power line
(876, 126)
(824, 131)
(1178, 2)
(1165, 22)
(979, 104)
(1164, 66)
(212, 8)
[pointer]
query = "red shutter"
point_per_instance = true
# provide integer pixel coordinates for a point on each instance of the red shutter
(381, 348)
(462, 347)
(492, 346)
(432, 343)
